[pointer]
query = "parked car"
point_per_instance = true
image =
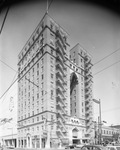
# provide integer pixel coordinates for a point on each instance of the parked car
(113, 147)
(70, 146)
(79, 146)
(94, 147)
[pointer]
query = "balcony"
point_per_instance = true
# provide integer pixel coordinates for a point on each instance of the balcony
(87, 59)
(60, 92)
(87, 72)
(61, 54)
(62, 117)
(87, 80)
(59, 60)
(87, 105)
(59, 76)
(58, 82)
(59, 36)
(59, 98)
(89, 123)
(59, 68)
(89, 130)
(61, 107)
(60, 132)
(87, 96)
(59, 120)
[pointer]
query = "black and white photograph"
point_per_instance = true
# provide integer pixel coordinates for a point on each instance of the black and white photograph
(60, 74)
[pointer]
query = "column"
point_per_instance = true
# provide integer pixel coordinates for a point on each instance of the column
(30, 141)
(70, 137)
(17, 143)
(40, 141)
(47, 145)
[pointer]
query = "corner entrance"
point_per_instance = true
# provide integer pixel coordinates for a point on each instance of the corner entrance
(75, 137)
(76, 141)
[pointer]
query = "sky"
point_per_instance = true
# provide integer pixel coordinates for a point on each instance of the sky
(95, 27)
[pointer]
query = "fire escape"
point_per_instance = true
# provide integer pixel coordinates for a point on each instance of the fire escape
(88, 96)
(61, 73)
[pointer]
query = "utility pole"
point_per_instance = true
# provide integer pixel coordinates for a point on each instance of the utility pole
(99, 120)
(100, 127)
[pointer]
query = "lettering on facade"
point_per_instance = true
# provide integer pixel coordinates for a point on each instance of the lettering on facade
(75, 121)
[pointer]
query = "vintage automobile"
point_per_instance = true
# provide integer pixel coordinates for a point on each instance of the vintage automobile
(113, 147)
(70, 146)
(94, 147)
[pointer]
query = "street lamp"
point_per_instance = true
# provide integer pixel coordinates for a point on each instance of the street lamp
(99, 118)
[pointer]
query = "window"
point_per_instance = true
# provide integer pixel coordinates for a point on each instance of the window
(42, 25)
(33, 98)
(74, 91)
(51, 127)
(37, 111)
(37, 128)
(51, 76)
(51, 51)
(42, 69)
(42, 85)
(37, 103)
(73, 54)
(51, 68)
(37, 95)
(32, 112)
(52, 117)
(75, 103)
(42, 100)
(42, 76)
(51, 93)
(51, 25)
(82, 103)
(42, 92)
(51, 60)
(37, 118)
(37, 72)
(42, 61)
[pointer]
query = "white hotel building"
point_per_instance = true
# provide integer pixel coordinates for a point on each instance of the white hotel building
(54, 90)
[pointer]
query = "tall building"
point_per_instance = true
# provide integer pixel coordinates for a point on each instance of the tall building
(81, 98)
(46, 75)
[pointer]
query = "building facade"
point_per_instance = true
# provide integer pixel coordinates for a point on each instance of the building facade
(47, 79)
(81, 95)
(109, 134)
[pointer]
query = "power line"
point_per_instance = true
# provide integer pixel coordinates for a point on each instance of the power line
(8, 65)
(108, 110)
(67, 66)
(32, 82)
(4, 19)
(50, 4)
(106, 68)
(8, 88)
(11, 83)
(106, 56)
